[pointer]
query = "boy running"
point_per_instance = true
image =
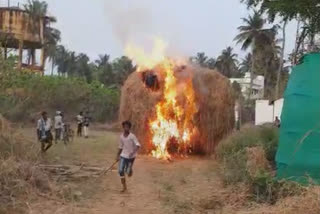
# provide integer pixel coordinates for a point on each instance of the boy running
(128, 148)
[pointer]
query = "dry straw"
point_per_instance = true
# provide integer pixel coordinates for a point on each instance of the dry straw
(214, 100)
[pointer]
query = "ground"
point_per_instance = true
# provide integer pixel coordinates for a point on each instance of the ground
(181, 186)
(186, 186)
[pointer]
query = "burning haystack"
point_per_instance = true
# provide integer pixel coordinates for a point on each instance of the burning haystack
(177, 109)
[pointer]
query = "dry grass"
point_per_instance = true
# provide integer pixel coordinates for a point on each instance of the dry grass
(256, 161)
(19, 177)
(306, 203)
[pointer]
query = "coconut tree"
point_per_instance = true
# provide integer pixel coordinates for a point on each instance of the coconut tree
(38, 10)
(122, 67)
(227, 63)
(200, 59)
(245, 65)
(281, 58)
(253, 35)
(103, 60)
(211, 63)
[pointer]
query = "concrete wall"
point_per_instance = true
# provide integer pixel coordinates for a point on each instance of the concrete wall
(16, 24)
(265, 113)
(278, 104)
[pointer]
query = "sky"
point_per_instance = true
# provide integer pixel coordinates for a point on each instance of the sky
(188, 27)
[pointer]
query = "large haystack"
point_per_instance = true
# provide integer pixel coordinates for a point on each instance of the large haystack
(214, 100)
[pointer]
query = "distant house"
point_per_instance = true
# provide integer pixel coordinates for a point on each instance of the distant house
(257, 87)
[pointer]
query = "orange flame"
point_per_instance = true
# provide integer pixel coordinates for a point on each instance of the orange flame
(173, 120)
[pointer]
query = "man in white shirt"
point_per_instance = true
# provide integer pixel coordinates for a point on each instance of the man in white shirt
(80, 123)
(58, 125)
(44, 132)
(128, 148)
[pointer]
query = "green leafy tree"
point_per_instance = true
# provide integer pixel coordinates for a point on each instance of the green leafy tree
(122, 67)
(227, 63)
(307, 11)
(253, 35)
(39, 9)
(246, 63)
(200, 59)
(211, 63)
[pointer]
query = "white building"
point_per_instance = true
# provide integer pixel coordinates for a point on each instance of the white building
(267, 112)
(257, 87)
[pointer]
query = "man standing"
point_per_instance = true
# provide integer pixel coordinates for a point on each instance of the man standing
(44, 132)
(86, 123)
(58, 126)
(128, 148)
(80, 124)
(277, 122)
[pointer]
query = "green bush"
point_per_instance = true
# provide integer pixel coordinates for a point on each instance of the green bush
(24, 95)
(232, 153)
(266, 189)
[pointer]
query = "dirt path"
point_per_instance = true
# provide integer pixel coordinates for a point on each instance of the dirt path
(157, 187)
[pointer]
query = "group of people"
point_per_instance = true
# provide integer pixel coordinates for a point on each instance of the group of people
(61, 129)
(128, 144)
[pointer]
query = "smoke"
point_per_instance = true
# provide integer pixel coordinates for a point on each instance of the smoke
(131, 21)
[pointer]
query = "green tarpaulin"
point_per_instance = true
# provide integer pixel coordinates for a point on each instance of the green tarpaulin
(298, 156)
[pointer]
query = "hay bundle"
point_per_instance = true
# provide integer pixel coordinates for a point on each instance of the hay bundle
(214, 101)
(137, 104)
(216, 107)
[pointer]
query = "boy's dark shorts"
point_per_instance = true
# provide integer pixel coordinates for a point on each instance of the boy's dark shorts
(125, 166)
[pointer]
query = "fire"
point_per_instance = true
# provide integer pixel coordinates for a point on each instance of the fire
(173, 122)
(147, 60)
(172, 126)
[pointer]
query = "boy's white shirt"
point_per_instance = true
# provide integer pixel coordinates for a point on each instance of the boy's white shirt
(129, 146)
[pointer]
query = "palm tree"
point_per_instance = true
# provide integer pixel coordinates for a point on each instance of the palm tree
(122, 68)
(281, 58)
(39, 9)
(253, 35)
(53, 36)
(103, 60)
(227, 63)
(200, 59)
(63, 59)
(245, 65)
(211, 63)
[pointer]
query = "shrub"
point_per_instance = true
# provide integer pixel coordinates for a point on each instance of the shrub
(18, 173)
(247, 156)
(22, 96)
(232, 151)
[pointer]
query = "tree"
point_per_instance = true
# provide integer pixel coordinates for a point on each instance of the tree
(211, 63)
(39, 10)
(281, 59)
(245, 65)
(306, 11)
(104, 70)
(200, 59)
(122, 67)
(253, 35)
(103, 60)
(227, 63)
